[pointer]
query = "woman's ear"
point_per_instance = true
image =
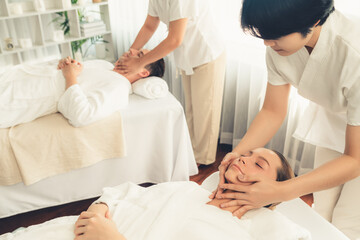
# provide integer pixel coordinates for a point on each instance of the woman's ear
(144, 73)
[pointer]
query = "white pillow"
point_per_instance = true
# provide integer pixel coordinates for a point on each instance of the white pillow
(151, 87)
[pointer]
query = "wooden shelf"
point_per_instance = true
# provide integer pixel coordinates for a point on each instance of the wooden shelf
(39, 27)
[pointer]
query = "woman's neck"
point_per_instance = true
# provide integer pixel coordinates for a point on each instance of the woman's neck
(314, 39)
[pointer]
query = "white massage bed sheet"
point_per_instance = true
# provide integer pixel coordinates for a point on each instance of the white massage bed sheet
(297, 211)
(158, 150)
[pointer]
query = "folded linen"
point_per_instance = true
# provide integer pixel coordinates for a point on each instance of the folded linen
(49, 146)
(151, 87)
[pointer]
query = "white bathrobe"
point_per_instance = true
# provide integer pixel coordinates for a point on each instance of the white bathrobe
(31, 91)
(173, 210)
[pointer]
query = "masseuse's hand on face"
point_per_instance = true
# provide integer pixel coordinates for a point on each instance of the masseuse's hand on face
(252, 179)
(131, 53)
(130, 63)
(222, 168)
(93, 226)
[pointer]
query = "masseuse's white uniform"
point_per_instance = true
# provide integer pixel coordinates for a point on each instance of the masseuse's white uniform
(330, 78)
(31, 91)
(201, 58)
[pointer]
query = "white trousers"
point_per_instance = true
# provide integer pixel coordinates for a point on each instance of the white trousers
(339, 205)
(203, 92)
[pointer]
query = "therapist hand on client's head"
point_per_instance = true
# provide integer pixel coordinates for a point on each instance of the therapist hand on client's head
(156, 68)
(239, 177)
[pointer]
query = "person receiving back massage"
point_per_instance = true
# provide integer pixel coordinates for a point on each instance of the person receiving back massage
(83, 93)
(96, 223)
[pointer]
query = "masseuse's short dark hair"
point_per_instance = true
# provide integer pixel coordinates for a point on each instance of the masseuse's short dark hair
(156, 68)
(273, 19)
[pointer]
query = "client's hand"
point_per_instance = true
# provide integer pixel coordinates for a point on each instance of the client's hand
(92, 226)
(63, 62)
(72, 69)
(222, 169)
(101, 208)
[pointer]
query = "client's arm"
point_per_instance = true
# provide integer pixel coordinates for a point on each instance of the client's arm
(82, 107)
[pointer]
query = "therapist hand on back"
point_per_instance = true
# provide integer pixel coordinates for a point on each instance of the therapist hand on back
(199, 53)
(316, 49)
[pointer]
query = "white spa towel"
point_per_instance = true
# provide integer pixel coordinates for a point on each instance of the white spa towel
(151, 87)
(174, 210)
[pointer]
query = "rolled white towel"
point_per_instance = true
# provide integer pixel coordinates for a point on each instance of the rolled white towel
(151, 87)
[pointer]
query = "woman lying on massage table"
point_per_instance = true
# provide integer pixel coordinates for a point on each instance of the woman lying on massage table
(181, 210)
(83, 94)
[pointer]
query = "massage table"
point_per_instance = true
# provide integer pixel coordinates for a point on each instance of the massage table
(297, 211)
(158, 150)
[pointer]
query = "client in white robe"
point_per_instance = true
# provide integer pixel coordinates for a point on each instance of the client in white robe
(83, 93)
(175, 210)
(181, 210)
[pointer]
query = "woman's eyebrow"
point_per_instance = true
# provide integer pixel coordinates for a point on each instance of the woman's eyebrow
(262, 158)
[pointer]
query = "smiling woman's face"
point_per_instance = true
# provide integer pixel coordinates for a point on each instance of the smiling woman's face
(260, 161)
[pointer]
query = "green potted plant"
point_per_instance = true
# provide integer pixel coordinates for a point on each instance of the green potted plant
(63, 21)
(100, 47)
(77, 49)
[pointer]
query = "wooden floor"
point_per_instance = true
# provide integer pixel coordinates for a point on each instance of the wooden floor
(35, 217)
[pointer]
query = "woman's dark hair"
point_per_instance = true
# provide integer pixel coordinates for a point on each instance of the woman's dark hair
(156, 68)
(273, 19)
(284, 172)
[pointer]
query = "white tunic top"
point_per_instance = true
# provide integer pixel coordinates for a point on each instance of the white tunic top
(201, 43)
(329, 77)
(29, 92)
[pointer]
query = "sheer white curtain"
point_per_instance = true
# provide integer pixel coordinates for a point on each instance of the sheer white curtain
(245, 74)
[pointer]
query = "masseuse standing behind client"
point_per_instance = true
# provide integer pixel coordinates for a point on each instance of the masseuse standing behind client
(199, 54)
(317, 50)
